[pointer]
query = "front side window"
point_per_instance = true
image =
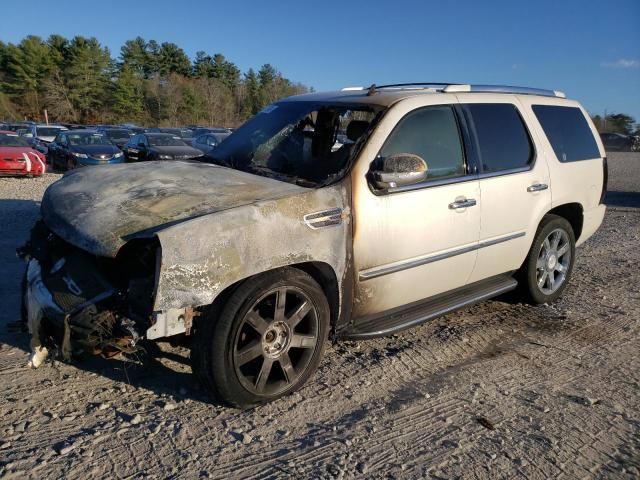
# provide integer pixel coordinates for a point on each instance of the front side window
(568, 132)
(431, 133)
(501, 136)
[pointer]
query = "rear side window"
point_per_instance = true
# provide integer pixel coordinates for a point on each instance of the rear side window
(568, 132)
(501, 136)
(431, 133)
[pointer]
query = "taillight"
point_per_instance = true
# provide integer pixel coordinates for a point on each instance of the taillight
(605, 179)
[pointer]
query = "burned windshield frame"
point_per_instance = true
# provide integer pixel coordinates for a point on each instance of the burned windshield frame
(296, 141)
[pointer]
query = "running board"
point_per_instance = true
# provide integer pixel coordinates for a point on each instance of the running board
(396, 320)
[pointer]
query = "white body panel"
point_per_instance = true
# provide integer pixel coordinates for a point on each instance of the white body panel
(397, 231)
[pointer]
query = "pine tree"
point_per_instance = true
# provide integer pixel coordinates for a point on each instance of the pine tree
(87, 76)
(127, 96)
(27, 66)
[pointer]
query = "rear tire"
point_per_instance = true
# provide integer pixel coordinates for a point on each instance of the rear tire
(265, 341)
(549, 264)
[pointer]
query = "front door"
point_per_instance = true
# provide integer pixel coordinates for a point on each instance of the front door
(411, 243)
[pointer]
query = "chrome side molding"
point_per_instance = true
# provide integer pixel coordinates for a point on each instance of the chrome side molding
(381, 270)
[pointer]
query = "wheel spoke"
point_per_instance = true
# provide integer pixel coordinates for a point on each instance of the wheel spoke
(541, 262)
(299, 314)
(556, 240)
(263, 376)
(543, 279)
(258, 323)
(563, 249)
(552, 280)
(281, 299)
(559, 267)
(546, 246)
(303, 341)
(287, 367)
(248, 353)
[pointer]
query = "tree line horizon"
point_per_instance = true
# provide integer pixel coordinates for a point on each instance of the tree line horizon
(150, 83)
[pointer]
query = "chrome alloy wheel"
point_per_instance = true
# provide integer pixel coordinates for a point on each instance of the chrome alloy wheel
(276, 341)
(553, 261)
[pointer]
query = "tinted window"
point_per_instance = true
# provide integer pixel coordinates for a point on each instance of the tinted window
(88, 139)
(502, 138)
(117, 133)
(431, 133)
(164, 141)
(12, 141)
(568, 132)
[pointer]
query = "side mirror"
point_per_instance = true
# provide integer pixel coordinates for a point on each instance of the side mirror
(28, 135)
(399, 170)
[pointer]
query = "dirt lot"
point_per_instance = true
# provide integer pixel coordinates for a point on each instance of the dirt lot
(500, 390)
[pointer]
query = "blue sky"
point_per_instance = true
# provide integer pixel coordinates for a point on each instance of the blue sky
(589, 49)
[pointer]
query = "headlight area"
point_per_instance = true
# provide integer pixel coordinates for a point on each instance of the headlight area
(104, 305)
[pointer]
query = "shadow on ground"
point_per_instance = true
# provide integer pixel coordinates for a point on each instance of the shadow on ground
(622, 199)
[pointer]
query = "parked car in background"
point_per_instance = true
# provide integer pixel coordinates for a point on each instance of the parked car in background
(215, 130)
(118, 136)
(184, 134)
(617, 142)
(40, 135)
(158, 146)
(74, 126)
(77, 148)
(208, 141)
(18, 158)
(15, 126)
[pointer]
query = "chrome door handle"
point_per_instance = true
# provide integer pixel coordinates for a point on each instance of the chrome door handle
(467, 202)
(537, 187)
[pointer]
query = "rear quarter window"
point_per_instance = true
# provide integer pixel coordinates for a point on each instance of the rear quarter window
(568, 132)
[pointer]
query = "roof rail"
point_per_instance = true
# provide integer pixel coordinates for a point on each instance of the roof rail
(417, 84)
(503, 89)
(461, 87)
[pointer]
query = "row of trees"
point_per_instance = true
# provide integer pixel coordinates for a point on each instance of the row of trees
(150, 83)
(616, 123)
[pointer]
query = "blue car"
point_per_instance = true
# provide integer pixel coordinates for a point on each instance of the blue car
(78, 148)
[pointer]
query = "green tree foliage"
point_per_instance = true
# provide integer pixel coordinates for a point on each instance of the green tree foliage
(151, 83)
(27, 66)
(127, 96)
(616, 123)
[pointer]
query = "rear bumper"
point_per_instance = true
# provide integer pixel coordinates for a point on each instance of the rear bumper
(591, 221)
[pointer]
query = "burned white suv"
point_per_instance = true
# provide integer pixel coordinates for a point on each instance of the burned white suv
(352, 214)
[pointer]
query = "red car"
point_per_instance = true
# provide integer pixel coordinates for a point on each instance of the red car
(18, 158)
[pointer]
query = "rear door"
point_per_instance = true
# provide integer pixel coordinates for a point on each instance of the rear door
(514, 183)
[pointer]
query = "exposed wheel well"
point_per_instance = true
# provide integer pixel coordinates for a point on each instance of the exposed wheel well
(572, 212)
(326, 277)
(319, 271)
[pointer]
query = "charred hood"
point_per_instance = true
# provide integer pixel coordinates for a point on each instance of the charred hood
(100, 209)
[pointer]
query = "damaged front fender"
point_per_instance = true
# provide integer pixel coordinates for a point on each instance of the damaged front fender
(204, 256)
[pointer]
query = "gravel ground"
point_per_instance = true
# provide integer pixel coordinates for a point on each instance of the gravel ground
(499, 390)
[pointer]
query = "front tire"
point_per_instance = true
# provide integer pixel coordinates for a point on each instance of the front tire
(267, 340)
(548, 267)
